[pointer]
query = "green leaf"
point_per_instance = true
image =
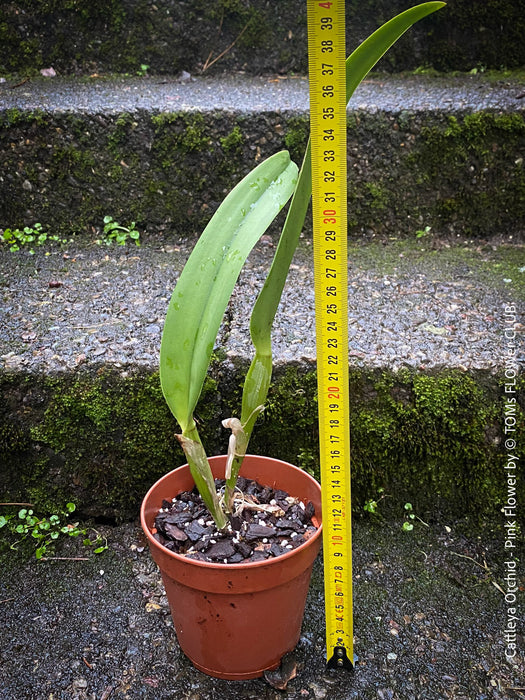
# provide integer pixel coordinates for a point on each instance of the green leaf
(364, 58)
(205, 285)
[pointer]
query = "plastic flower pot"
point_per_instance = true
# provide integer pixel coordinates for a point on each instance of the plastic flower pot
(235, 621)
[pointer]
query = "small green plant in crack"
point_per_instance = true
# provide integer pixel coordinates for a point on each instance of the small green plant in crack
(422, 232)
(114, 232)
(28, 237)
(46, 530)
(372, 504)
(410, 517)
(143, 70)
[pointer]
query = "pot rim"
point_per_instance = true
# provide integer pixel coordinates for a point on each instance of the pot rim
(273, 561)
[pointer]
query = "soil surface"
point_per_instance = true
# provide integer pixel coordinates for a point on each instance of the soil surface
(265, 523)
(429, 622)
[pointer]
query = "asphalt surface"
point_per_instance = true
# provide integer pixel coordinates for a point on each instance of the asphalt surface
(242, 93)
(429, 623)
(417, 304)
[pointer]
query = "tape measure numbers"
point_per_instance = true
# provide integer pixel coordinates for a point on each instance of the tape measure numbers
(327, 76)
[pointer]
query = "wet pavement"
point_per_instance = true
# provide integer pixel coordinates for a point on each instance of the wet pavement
(244, 94)
(421, 304)
(429, 623)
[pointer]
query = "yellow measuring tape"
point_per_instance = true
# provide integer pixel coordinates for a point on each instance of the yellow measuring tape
(327, 75)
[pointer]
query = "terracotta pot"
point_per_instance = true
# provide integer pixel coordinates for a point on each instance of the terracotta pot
(235, 621)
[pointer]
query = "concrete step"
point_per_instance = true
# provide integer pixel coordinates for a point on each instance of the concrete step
(440, 152)
(435, 337)
(82, 414)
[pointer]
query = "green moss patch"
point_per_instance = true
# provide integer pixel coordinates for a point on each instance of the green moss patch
(445, 172)
(461, 174)
(459, 159)
(100, 440)
(86, 36)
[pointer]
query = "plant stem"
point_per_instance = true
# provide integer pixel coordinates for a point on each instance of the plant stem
(31, 505)
(201, 473)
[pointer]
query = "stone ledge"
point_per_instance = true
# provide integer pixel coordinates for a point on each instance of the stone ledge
(412, 303)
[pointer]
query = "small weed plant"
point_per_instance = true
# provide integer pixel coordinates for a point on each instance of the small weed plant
(422, 232)
(408, 525)
(115, 233)
(28, 238)
(410, 518)
(46, 530)
(372, 504)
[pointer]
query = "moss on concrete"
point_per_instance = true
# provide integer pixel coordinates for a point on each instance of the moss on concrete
(444, 172)
(99, 440)
(459, 158)
(120, 36)
(152, 169)
(477, 35)
(433, 439)
(296, 137)
(233, 141)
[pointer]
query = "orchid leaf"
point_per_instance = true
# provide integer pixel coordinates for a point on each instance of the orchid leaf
(205, 285)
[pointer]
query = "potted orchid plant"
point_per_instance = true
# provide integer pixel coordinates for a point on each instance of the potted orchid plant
(214, 629)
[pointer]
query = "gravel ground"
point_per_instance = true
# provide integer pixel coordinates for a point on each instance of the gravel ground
(241, 93)
(409, 305)
(429, 619)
